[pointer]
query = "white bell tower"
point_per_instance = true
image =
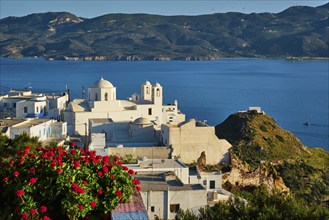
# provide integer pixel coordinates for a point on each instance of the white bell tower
(157, 94)
(146, 91)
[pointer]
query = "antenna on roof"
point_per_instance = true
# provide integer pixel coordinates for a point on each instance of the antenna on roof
(83, 92)
(29, 86)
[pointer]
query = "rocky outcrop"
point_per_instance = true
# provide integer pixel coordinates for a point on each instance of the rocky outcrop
(202, 161)
(241, 176)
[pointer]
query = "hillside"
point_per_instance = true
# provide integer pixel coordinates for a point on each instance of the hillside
(262, 148)
(296, 32)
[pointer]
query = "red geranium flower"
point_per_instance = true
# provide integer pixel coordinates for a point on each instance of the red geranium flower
(131, 172)
(92, 204)
(25, 216)
(100, 174)
(16, 173)
(100, 192)
(138, 188)
(76, 164)
(19, 193)
(81, 190)
(59, 171)
(33, 211)
(46, 218)
(75, 188)
(43, 209)
(33, 180)
(81, 207)
(118, 194)
(5, 179)
(53, 163)
(105, 169)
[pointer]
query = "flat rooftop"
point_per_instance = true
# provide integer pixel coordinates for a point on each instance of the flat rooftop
(157, 164)
(32, 122)
(10, 122)
(5, 123)
(157, 182)
(101, 120)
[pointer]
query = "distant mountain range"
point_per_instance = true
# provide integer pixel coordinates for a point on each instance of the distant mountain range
(295, 32)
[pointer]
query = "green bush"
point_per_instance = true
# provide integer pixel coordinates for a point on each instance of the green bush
(280, 138)
(263, 128)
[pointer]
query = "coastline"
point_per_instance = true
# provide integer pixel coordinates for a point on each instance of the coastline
(206, 58)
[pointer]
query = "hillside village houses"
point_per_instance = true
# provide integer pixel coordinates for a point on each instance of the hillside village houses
(133, 126)
(35, 114)
(25, 104)
(103, 103)
(141, 126)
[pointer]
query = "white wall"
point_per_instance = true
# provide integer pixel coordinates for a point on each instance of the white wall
(189, 141)
(49, 129)
(33, 107)
(161, 200)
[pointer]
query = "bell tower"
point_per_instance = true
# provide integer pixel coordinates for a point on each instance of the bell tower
(146, 91)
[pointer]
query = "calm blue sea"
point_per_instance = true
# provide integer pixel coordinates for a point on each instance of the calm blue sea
(291, 92)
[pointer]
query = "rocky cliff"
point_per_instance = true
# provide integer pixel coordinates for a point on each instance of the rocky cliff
(265, 154)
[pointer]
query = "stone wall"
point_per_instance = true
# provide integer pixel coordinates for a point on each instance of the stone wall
(140, 152)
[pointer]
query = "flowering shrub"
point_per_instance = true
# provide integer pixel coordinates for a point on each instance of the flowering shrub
(54, 183)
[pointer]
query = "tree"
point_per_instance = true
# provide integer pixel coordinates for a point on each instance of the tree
(21, 141)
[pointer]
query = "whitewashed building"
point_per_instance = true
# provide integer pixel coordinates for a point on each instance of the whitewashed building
(102, 103)
(190, 138)
(33, 108)
(165, 188)
(168, 185)
(44, 129)
(25, 104)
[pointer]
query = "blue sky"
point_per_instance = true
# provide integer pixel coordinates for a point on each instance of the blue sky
(94, 8)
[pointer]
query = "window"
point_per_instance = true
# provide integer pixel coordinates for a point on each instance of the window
(14, 105)
(174, 208)
(25, 109)
(96, 97)
(152, 209)
(158, 92)
(150, 111)
(205, 182)
(212, 184)
(37, 111)
(106, 96)
(5, 105)
(147, 90)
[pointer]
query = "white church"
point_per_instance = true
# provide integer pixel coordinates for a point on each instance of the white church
(102, 103)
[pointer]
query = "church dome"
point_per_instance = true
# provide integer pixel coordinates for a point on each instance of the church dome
(147, 83)
(142, 121)
(102, 83)
(157, 85)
